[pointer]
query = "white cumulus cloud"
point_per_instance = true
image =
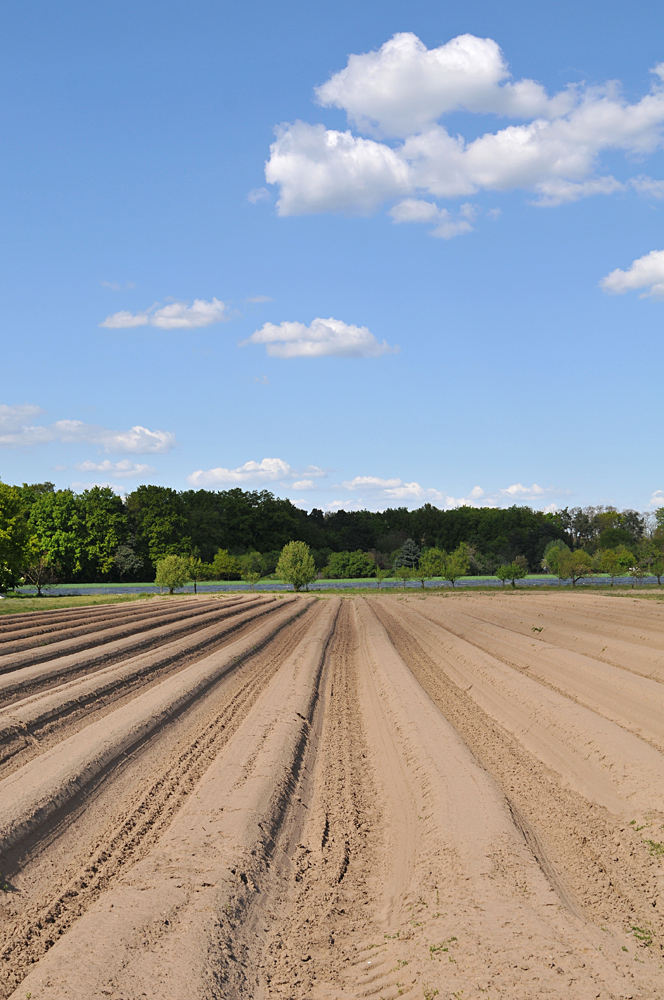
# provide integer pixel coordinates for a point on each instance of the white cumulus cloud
(18, 428)
(645, 272)
(268, 470)
(404, 87)
(397, 148)
(322, 338)
(322, 170)
(174, 316)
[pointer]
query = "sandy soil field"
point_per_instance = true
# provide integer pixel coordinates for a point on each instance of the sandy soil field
(453, 796)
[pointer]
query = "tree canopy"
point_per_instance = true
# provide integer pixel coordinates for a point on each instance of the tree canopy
(96, 536)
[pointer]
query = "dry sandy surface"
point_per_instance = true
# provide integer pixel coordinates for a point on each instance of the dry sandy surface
(453, 796)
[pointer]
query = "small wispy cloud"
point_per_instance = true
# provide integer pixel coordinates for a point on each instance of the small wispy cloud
(384, 491)
(394, 489)
(79, 486)
(123, 468)
(257, 299)
(174, 316)
(18, 429)
(446, 225)
(258, 194)
(518, 490)
(267, 470)
(648, 186)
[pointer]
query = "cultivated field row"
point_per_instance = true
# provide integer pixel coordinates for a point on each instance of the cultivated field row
(453, 796)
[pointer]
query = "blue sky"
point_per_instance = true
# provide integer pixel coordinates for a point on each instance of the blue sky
(456, 224)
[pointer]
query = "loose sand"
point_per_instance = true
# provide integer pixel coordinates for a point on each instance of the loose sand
(415, 795)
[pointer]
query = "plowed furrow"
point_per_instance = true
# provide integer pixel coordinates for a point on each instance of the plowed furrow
(158, 783)
(384, 797)
(76, 625)
(43, 675)
(637, 655)
(26, 652)
(32, 725)
(626, 697)
(334, 866)
(600, 861)
(13, 621)
(70, 629)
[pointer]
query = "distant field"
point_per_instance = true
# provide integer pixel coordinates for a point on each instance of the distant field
(90, 594)
(22, 604)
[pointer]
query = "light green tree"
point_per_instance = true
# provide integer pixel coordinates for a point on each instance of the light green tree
(381, 574)
(195, 571)
(615, 562)
(456, 564)
(251, 567)
(650, 554)
(225, 566)
(513, 571)
(405, 573)
(575, 566)
(37, 567)
(518, 569)
(14, 535)
(657, 567)
(552, 556)
(432, 563)
(296, 565)
(172, 572)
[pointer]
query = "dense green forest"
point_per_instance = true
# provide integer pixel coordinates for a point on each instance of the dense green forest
(98, 536)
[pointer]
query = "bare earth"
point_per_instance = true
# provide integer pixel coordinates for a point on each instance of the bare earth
(448, 795)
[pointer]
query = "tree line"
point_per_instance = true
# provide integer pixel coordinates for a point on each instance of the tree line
(95, 536)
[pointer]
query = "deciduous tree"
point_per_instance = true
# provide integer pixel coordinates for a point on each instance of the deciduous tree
(172, 572)
(552, 554)
(575, 566)
(251, 567)
(14, 535)
(456, 564)
(225, 566)
(615, 562)
(37, 568)
(296, 565)
(432, 563)
(513, 571)
(195, 569)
